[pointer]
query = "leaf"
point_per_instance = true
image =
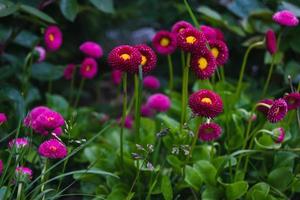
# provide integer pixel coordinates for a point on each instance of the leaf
(106, 6)
(236, 190)
(243, 8)
(58, 103)
(37, 13)
(296, 185)
(26, 39)
(7, 8)
(166, 188)
(4, 190)
(192, 178)
(211, 193)
(291, 7)
(175, 162)
(210, 13)
(171, 123)
(283, 174)
(258, 191)
(207, 171)
(69, 9)
(45, 71)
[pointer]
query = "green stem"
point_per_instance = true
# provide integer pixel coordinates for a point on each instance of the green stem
(72, 84)
(171, 81)
(195, 138)
(137, 176)
(189, 9)
(123, 116)
(79, 92)
(222, 73)
(269, 77)
(49, 86)
(43, 177)
(19, 194)
(239, 87)
(184, 92)
(138, 96)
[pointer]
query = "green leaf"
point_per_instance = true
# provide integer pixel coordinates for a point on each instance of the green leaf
(106, 6)
(45, 71)
(175, 162)
(210, 13)
(207, 171)
(283, 174)
(291, 7)
(37, 13)
(58, 103)
(166, 188)
(4, 190)
(7, 8)
(171, 123)
(258, 191)
(26, 39)
(296, 184)
(212, 193)
(236, 190)
(192, 178)
(69, 9)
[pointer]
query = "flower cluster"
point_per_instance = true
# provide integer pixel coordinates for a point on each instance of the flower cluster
(274, 110)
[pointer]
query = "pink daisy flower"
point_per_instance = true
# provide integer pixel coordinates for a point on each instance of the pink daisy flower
(53, 38)
(68, 71)
(24, 171)
(219, 34)
(209, 32)
(277, 111)
(206, 103)
(3, 118)
(125, 58)
(18, 143)
(53, 149)
(191, 40)
(128, 123)
(164, 42)
(219, 50)
(292, 100)
(271, 42)
(33, 114)
(88, 68)
(146, 111)
(279, 135)
(149, 58)
(41, 53)
(91, 49)
(264, 105)
(151, 82)
(285, 18)
(180, 26)
(159, 102)
(209, 132)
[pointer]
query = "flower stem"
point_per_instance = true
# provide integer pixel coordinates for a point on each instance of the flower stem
(72, 85)
(123, 116)
(138, 96)
(170, 64)
(222, 73)
(269, 77)
(189, 9)
(19, 194)
(185, 81)
(43, 177)
(79, 92)
(239, 87)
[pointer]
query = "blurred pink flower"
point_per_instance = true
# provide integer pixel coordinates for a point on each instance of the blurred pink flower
(3, 118)
(146, 111)
(116, 76)
(271, 41)
(68, 71)
(53, 38)
(285, 18)
(89, 68)
(41, 53)
(159, 102)
(151, 82)
(18, 143)
(91, 49)
(24, 171)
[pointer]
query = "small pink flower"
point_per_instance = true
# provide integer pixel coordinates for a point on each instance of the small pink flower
(24, 171)
(3, 118)
(277, 111)
(128, 123)
(151, 82)
(1, 167)
(33, 114)
(191, 40)
(53, 149)
(209, 131)
(219, 35)
(18, 143)
(91, 49)
(285, 18)
(209, 32)
(279, 134)
(89, 68)
(271, 41)
(58, 131)
(116, 77)
(53, 38)
(292, 100)
(164, 42)
(146, 111)
(264, 105)
(41, 53)
(159, 102)
(68, 71)
(180, 26)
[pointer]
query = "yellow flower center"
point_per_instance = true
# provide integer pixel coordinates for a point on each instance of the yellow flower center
(164, 42)
(144, 60)
(202, 63)
(206, 100)
(53, 148)
(125, 56)
(88, 68)
(51, 37)
(209, 130)
(215, 52)
(190, 39)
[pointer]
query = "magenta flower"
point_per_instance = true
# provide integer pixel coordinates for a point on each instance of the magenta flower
(164, 42)
(116, 77)
(292, 100)
(277, 111)
(203, 64)
(271, 42)
(33, 114)
(24, 171)
(18, 143)
(264, 105)
(1, 167)
(219, 50)
(149, 58)
(53, 38)
(58, 131)
(125, 58)
(41, 53)
(128, 123)
(206, 103)
(89, 68)
(285, 18)
(209, 32)
(180, 26)
(209, 131)
(53, 149)
(91, 49)
(191, 40)
(68, 71)
(279, 134)
(159, 102)
(146, 111)
(219, 34)
(3, 118)
(151, 82)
